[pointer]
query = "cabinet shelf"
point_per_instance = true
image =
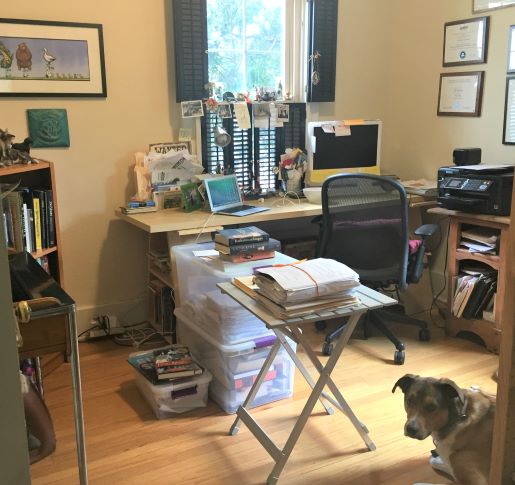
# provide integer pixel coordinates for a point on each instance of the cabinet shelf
(160, 275)
(39, 176)
(489, 259)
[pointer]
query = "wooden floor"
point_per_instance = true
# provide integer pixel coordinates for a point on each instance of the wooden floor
(127, 445)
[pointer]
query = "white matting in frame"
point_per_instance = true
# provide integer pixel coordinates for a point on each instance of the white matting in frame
(509, 113)
(485, 5)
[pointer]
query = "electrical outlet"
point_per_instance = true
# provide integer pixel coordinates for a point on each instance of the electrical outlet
(113, 325)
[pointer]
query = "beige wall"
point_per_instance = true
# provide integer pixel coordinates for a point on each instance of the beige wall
(389, 61)
(104, 259)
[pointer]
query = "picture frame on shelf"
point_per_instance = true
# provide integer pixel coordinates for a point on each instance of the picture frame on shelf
(47, 58)
(460, 93)
(466, 42)
(508, 137)
(485, 5)
(511, 51)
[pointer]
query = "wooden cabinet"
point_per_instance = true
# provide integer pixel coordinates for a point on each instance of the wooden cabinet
(40, 176)
(489, 332)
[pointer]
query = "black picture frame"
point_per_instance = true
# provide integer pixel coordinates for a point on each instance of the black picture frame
(52, 59)
(461, 42)
(508, 131)
(457, 95)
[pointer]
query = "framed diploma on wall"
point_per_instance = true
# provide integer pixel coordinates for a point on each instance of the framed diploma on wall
(484, 5)
(465, 41)
(460, 94)
(508, 137)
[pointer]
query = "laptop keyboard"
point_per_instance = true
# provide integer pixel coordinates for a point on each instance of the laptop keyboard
(238, 209)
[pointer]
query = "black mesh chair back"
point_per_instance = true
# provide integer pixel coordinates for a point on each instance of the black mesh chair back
(365, 226)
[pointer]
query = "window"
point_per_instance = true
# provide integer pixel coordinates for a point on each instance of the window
(244, 44)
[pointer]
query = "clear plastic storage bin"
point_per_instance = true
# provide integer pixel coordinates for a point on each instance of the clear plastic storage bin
(175, 397)
(202, 301)
(235, 367)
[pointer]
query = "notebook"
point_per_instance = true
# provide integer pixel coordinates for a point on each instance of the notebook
(225, 197)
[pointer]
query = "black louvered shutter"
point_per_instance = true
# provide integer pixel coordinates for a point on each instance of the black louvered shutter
(323, 30)
(190, 32)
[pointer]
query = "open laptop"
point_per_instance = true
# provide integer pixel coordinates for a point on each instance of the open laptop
(225, 197)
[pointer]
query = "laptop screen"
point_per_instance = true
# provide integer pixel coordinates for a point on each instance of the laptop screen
(223, 192)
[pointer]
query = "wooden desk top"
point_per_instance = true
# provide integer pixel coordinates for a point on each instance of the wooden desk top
(469, 215)
(177, 220)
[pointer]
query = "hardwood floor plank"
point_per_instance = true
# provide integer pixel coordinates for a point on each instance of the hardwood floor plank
(126, 444)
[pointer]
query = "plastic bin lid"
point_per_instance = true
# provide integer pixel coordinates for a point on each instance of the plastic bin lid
(251, 344)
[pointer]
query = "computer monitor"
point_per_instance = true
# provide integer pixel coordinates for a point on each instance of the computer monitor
(343, 146)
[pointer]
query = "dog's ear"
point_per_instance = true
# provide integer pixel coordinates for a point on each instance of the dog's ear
(405, 382)
(452, 391)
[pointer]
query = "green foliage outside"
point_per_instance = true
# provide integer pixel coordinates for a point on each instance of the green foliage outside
(245, 43)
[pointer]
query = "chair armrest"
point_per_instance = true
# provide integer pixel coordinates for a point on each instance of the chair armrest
(426, 230)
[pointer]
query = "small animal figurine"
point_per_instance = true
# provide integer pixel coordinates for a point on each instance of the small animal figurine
(24, 146)
(10, 155)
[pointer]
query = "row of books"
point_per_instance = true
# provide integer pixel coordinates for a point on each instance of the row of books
(29, 220)
(165, 364)
(245, 244)
(162, 307)
(474, 294)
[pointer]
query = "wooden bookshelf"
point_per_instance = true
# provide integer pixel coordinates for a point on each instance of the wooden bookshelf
(40, 176)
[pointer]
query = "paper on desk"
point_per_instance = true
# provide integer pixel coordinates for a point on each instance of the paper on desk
(319, 277)
(205, 252)
(481, 167)
(478, 248)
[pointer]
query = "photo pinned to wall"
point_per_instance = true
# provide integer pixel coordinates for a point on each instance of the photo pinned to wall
(261, 112)
(172, 147)
(224, 110)
(191, 198)
(466, 41)
(283, 113)
(42, 58)
(192, 109)
(511, 50)
(48, 128)
(184, 134)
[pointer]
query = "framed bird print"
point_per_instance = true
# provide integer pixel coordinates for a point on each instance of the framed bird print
(43, 58)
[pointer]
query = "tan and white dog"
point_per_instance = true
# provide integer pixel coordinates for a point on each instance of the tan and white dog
(460, 421)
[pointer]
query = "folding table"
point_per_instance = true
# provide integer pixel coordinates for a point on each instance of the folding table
(291, 328)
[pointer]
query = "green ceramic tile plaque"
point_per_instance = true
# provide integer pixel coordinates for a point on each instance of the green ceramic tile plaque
(48, 128)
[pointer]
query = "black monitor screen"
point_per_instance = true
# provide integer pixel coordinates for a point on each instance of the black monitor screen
(357, 150)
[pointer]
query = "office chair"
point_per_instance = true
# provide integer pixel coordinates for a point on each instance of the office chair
(364, 224)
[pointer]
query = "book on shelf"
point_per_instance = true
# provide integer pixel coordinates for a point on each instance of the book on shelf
(482, 284)
(241, 235)
(251, 247)
(481, 234)
(246, 284)
(138, 210)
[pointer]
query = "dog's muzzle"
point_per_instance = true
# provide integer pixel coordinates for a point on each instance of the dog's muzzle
(413, 430)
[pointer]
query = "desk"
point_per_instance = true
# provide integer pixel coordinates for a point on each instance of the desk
(291, 328)
(179, 227)
(489, 332)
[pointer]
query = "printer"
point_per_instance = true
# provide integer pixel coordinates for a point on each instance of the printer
(479, 189)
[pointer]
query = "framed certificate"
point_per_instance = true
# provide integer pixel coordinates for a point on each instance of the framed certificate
(511, 50)
(484, 5)
(465, 41)
(460, 94)
(508, 137)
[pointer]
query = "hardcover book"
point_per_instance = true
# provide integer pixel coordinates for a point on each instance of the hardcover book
(241, 235)
(249, 247)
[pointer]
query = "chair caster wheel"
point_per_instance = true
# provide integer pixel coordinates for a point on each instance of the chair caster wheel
(399, 357)
(424, 335)
(320, 325)
(327, 348)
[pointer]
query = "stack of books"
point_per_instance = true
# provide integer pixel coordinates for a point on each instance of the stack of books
(165, 364)
(474, 294)
(134, 207)
(245, 244)
(477, 239)
(304, 288)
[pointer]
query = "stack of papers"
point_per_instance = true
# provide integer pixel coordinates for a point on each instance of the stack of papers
(480, 240)
(425, 187)
(303, 288)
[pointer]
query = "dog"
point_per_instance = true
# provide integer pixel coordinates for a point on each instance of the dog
(460, 421)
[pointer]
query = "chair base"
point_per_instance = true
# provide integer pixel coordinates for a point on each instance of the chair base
(378, 319)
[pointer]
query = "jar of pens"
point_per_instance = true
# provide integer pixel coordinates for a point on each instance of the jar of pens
(292, 167)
